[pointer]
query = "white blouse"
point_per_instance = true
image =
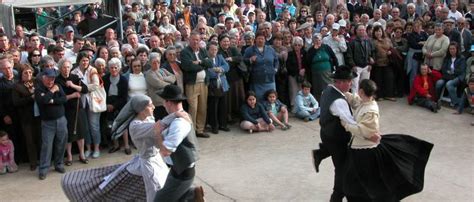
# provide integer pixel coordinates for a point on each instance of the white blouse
(136, 85)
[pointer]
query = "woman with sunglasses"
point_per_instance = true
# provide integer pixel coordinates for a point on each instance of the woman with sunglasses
(34, 59)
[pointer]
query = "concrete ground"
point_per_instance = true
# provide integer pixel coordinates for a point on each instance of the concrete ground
(236, 166)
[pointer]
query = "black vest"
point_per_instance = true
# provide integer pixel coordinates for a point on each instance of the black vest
(331, 128)
(186, 153)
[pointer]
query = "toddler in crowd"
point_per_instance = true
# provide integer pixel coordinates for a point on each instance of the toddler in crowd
(254, 116)
(277, 111)
(307, 108)
(7, 157)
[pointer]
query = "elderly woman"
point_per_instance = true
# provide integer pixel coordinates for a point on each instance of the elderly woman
(174, 66)
(116, 87)
(156, 79)
(218, 88)
(23, 100)
(453, 71)
(235, 75)
(416, 40)
(295, 67)
(115, 52)
(423, 92)
(147, 171)
(249, 39)
(382, 72)
(435, 48)
(263, 62)
(75, 114)
(90, 77)
(320, 61)
(99, 64)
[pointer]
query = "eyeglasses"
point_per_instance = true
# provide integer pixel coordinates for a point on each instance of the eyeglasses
(304, 11)
(35, 55)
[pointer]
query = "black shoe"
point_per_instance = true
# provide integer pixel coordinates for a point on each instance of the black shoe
(203, 135)
(42, 176)
(316, 159)
(215, 131)
(226, 129)
(128, 151)
(114, 149)
(60, 170)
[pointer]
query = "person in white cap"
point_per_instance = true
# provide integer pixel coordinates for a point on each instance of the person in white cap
(337, 43)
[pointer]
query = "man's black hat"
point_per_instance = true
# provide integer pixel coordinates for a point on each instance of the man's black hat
(344, 72)
(172, 92)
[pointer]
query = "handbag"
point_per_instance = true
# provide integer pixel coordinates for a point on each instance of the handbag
(98, 98)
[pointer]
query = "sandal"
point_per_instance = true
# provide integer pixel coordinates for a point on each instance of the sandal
(288, 125)
(84, 160)
(68, 163)
(114, 149)
(284, 128)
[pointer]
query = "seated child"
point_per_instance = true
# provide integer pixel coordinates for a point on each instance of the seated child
(467, 99)
(307, 108)
(7, 158)
(277, 111)
(254, 116)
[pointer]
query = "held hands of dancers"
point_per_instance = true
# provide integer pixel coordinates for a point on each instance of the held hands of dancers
(375, 137)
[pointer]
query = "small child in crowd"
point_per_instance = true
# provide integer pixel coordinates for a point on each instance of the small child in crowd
(467, 99)
(277, 111)
(7, 157)
(307, 108)
(254, 116)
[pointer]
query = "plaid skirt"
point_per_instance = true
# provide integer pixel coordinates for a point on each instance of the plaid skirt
(83, 185)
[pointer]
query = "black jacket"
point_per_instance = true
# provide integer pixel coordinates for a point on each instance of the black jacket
(121, 99)
(292, 62)
(51, 105)
(357, 54)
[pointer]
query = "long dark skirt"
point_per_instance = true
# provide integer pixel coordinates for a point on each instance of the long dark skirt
(83, 185)
(319, 81)
(394, 169)
(385, 79)
(82, 127)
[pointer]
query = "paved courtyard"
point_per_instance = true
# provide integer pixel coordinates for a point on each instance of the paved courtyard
(237, 166)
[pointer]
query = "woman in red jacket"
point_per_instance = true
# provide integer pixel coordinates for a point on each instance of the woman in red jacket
(423, 91)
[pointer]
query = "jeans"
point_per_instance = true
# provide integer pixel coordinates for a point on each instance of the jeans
(94, 126)
(451, 86)
(303, 114)
(53, 130)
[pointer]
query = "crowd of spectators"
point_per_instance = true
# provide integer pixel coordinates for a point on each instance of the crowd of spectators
(248, 62)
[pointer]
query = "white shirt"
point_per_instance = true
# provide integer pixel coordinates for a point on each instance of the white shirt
(340, 108)
(201, 75)
(136, 85)
(455, 15)
(174, 135)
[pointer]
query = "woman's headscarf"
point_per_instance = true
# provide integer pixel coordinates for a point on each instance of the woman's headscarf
(134, 106)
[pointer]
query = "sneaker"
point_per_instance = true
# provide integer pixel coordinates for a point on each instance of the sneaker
(87, 154)
(3, 170)
(96, 154)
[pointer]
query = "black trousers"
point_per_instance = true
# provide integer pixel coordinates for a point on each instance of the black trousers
(337, 149)
(217, 111)
(384, 77)
(424, 102)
